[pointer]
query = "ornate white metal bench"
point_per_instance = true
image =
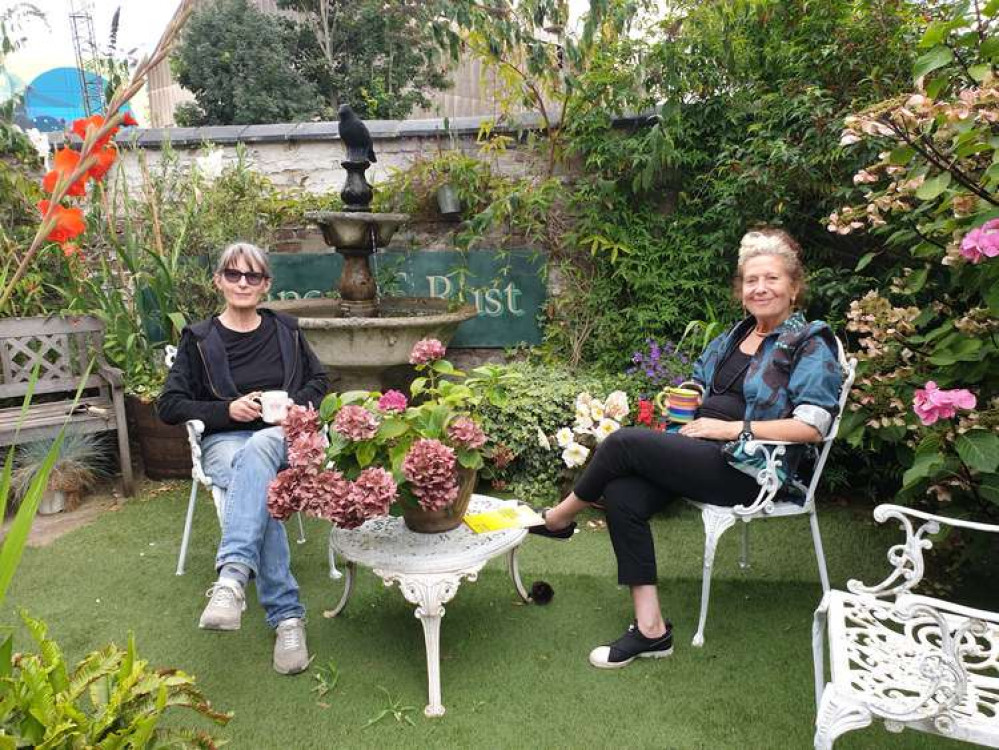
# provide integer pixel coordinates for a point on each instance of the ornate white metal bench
(61, 348)
(910, 660)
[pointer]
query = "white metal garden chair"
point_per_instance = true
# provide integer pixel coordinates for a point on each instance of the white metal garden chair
(719, 518)
(911, 661)
(195, 429)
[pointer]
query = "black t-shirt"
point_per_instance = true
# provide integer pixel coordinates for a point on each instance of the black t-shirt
(254, 356)
(724, 397)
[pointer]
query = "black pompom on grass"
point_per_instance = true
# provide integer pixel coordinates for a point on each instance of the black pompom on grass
(541, 592)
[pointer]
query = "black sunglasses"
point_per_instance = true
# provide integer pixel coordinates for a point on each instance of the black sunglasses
(253, 278)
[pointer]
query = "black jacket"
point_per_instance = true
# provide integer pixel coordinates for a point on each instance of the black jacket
(200, 385)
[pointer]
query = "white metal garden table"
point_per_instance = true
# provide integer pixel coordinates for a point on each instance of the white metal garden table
(428, 569)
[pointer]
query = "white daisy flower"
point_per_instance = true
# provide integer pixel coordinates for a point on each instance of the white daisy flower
(583, 424)
(563, 437)
(596, 410)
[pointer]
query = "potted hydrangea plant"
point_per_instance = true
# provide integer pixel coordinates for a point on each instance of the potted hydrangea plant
(364, 450)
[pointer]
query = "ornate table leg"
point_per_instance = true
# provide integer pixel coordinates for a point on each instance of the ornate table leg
(511, 562)
(429, 592)
(348, 588)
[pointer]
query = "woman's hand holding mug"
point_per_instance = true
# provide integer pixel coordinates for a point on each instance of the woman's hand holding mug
(245, 408)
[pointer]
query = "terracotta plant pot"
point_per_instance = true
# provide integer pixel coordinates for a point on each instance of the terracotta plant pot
(166, 454)
(435, 521)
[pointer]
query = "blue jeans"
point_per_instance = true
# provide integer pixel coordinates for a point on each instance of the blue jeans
(244, 463)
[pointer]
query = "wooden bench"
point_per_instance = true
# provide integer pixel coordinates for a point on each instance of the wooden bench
(61, 348)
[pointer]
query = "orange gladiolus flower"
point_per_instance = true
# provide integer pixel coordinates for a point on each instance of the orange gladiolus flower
(69, 222)
(63, 164)
(105, 160)
(80, 126)
(128, 120)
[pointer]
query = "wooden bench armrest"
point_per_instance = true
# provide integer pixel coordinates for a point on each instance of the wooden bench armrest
(114, 376)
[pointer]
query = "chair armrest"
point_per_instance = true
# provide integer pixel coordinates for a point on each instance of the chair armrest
(768, 478)
(195, 429)
(907, 558)
(113, 375)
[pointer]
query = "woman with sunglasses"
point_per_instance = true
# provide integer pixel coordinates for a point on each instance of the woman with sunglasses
(223, 365)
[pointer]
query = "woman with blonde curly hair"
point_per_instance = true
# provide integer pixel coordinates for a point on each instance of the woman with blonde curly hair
(772, 376)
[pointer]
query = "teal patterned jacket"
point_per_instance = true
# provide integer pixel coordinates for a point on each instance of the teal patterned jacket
(794, 374)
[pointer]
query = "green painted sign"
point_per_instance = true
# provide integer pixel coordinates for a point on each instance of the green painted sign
(507, 288)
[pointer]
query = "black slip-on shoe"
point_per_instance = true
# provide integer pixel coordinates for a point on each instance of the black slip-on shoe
(542, 530)
(632, 645)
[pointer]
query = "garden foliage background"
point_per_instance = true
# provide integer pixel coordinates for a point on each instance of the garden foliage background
(733, 116)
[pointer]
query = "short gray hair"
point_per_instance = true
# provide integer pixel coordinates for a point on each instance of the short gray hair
(256, 257)
(778, 243)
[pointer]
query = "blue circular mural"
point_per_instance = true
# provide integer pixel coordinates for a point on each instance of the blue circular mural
(54, 98)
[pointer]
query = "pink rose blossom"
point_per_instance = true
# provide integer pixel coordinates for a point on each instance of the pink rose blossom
(932, 403)
(392, 401)
(355, 423)
(430, 469)
(426, 350)
(981, 242)
(466, 433)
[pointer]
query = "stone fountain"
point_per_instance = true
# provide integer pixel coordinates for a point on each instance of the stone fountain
(363, 338)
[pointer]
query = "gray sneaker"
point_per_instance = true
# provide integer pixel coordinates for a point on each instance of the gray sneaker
(226, 604)
(291, 655)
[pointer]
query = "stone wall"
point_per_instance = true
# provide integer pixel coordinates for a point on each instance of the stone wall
(308, 155)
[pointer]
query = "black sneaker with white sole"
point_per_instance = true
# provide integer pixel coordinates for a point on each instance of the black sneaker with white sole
(632, 645)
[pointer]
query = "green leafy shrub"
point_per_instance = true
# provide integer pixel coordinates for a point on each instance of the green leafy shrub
(111, 699)
(542, 398)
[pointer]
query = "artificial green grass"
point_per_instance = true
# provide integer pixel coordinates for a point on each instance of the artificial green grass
(513, 676)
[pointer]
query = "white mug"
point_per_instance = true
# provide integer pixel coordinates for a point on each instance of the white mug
(274, 406)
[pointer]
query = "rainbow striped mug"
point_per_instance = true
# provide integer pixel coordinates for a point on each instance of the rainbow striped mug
(678, 404)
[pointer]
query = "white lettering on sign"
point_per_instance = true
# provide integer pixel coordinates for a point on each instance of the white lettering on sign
(492, 302)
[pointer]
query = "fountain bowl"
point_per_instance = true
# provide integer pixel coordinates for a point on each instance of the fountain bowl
(373, 353)
(352, 230)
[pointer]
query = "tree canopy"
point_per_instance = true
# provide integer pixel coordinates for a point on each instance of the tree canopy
(239, 64)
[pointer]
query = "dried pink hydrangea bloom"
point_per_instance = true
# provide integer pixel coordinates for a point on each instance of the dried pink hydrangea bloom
(374, 491)
(283, 497)
(393, 401)
(426, 350)
(307, 451)
(355, 423)
(430, 469)
(300, 420)
(932, 403)
(981, 242)
(323, 494)
(465, 432)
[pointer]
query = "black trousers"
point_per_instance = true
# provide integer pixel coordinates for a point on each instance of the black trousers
(638, 472)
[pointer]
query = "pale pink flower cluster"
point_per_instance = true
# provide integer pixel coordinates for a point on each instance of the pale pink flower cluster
(373, 492)
(393, 401)
(304, 489)
(430, 469)
(355, 423)
(426, 350)
(932, 403)
(299, 421)
(307, 450)
(981, 242)
(466, 433)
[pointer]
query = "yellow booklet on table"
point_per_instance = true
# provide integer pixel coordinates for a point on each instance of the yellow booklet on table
(512, 515)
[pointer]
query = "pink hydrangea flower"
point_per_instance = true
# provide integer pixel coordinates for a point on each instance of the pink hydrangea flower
(355, 423)
(283, 497)
(466, 433)
(932, 403)
(300, 420)
(430, 469)
(374, 491)
(307, 451)
(393, 401)
(426, 350)
(981, 242)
